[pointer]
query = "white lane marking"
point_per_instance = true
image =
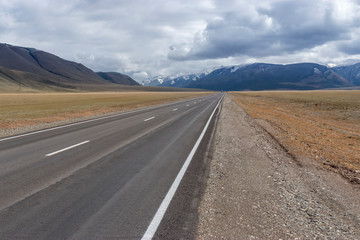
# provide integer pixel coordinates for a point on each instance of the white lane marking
(148, 119)
(194, 102)
(175, 109)
(87, 121)
(64, 149)
(170, 194)
(187, 105)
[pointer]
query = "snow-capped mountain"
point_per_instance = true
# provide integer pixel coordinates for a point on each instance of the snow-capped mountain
(259, 76)
(177, 80)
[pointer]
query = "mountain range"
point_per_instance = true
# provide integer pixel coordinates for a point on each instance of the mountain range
(264, 76)
(29, 68)
(36, 69)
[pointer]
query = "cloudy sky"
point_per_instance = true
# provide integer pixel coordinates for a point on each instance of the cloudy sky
(145, 38)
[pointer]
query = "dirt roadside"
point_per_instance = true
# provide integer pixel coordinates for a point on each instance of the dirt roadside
(255, 190)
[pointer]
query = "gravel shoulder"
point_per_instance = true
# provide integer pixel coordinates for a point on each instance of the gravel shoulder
(256, 190)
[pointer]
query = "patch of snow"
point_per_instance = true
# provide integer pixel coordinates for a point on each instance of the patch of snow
(234, 68)
(209, 70)
(172, 82)
(331, 65)
(317, 71)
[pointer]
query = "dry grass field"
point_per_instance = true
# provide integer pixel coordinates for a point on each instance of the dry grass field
(319, 125)
(28, 109)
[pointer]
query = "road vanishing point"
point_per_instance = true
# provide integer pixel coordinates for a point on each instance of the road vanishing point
(114, 177)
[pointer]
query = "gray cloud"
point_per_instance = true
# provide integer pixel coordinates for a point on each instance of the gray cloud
(351, 47)
(258, 30)
(149, 37)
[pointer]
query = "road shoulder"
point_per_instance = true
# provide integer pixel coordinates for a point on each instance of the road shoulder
(255, 190)
(179, 221)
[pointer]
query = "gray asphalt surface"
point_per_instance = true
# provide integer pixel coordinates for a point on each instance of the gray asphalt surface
(109, 186)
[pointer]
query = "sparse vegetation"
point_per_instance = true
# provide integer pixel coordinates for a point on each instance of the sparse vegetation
(20, 110)
(320, 125)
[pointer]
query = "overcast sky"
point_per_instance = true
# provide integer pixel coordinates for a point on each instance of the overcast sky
(160, 37)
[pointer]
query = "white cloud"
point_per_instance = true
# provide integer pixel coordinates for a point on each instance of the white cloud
(141, 76)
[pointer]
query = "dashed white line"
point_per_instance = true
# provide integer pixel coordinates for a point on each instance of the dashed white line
(187, 105)
(148, 119)
(64, 149)
(165, 203)
(175, 109)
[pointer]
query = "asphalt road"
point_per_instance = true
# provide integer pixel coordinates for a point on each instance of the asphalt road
(103, 178)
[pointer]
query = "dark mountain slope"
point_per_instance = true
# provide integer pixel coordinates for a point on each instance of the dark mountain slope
(11, 80)
(118, 78)
(46, 71)
(45, 64)
(350, 72)
(67, 69)
(17, 58)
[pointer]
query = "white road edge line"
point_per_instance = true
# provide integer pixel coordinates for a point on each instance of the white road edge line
(148, 119)
(175, 109)
(64, 149)
(90, 120)
(149, 234)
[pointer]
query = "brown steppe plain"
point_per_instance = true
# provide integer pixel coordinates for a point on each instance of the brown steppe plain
(32, 111)
(319, 125)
